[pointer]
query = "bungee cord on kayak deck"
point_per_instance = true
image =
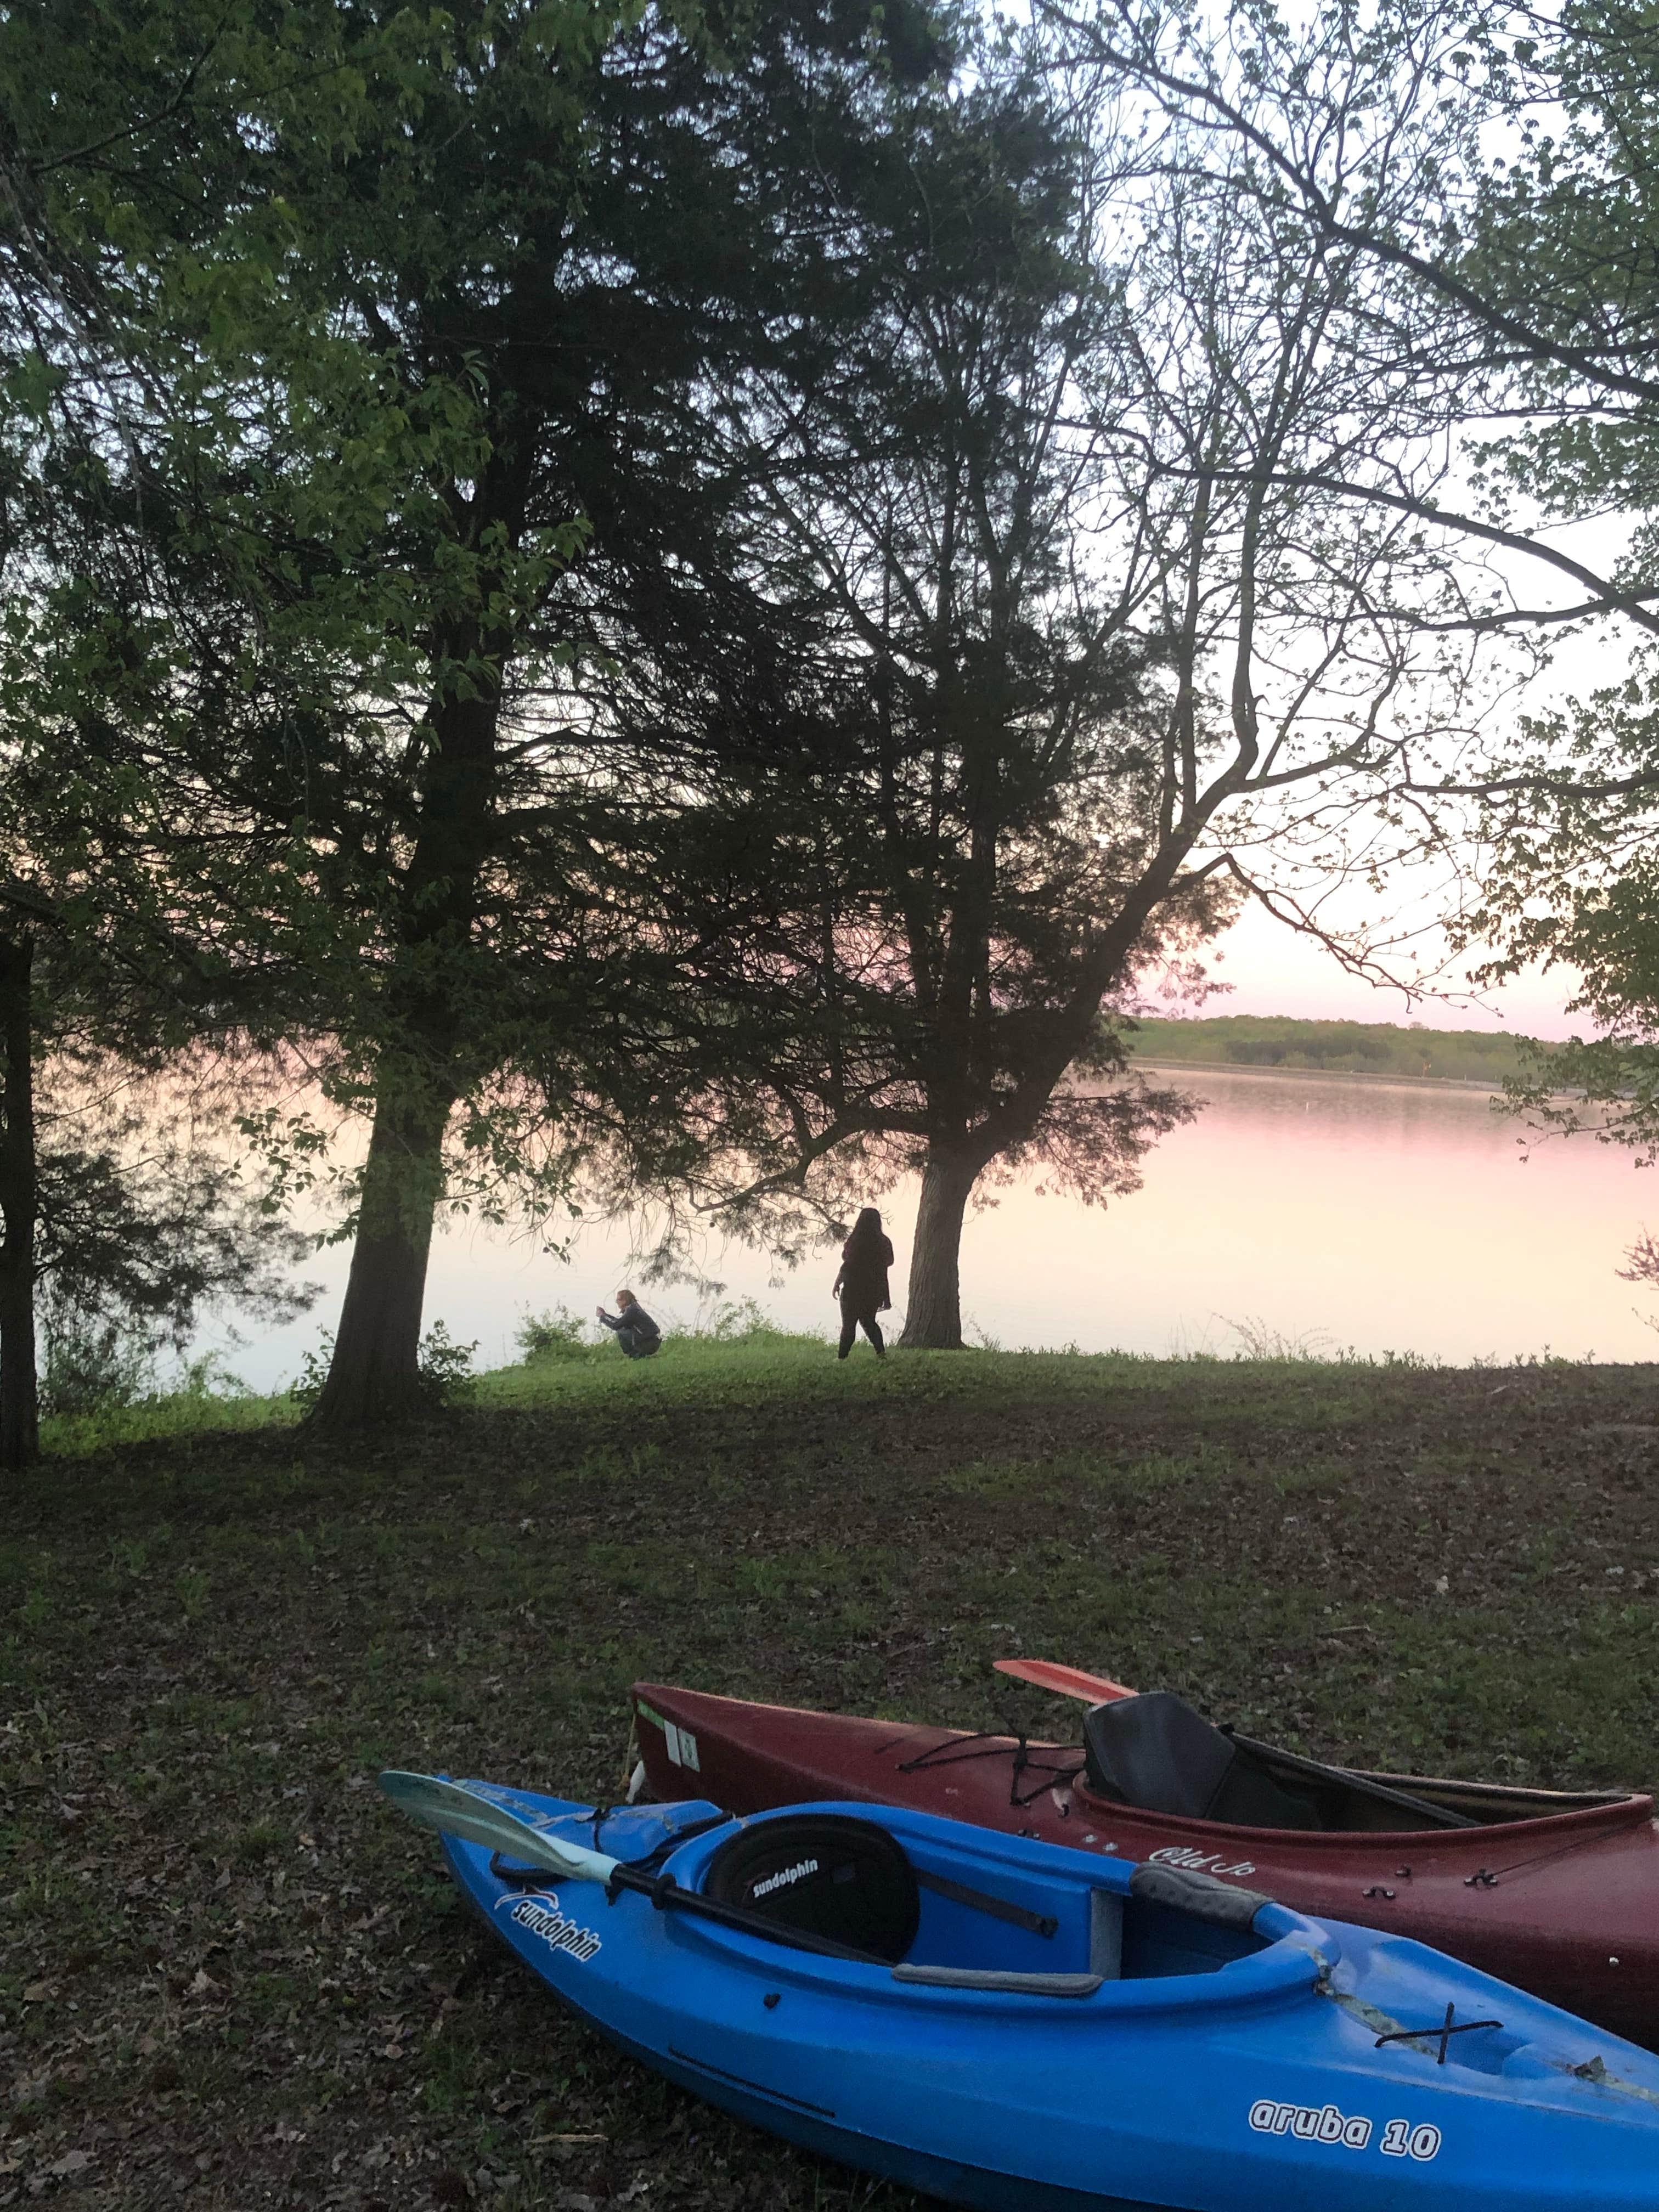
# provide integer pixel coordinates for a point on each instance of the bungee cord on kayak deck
(999, 1746)
(1443, 2032)
(1489, 1877)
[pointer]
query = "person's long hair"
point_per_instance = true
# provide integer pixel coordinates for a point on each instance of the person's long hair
(866, 1232)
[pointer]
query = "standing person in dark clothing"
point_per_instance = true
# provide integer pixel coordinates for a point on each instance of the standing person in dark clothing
(861, 1285)
(637, 1334)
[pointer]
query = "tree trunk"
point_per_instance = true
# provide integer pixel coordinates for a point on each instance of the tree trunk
(932, 1317)
(375, 1373)
(20, 1424)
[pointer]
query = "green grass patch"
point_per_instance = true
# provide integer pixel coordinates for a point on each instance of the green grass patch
(213, 1931)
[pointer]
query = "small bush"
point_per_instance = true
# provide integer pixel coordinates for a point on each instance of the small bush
(306, 1387)
(446, 1376)
(740, 1321)
(1260, 1339)
(210, 1376)
(446, 1368)
(556, 1334)
(92, 1364)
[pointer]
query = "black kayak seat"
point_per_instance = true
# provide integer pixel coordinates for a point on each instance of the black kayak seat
(1158, 1752)
(825, 1873)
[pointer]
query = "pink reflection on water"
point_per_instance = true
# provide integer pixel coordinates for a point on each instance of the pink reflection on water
(1388, 1217)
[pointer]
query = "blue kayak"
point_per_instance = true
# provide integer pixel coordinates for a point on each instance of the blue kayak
(1008, 2025)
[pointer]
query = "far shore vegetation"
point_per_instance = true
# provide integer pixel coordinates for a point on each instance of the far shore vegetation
(1386, 1048)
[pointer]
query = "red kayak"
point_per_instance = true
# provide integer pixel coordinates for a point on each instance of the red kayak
(1556, 1892)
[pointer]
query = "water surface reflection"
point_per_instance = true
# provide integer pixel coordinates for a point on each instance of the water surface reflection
(1387, 1217)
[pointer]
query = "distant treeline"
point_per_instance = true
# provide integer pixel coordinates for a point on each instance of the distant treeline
(1351, 1048)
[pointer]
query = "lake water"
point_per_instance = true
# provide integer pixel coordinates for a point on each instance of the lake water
(1378, 1216)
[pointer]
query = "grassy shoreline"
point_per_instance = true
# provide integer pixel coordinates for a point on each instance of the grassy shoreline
(1289, 1044)
(230, 1978)
(1162, 1063)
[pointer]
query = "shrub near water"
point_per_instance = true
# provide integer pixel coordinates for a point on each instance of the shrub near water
(445, 1371)
(742, 1322)
(92, 1364)
(558, 1333)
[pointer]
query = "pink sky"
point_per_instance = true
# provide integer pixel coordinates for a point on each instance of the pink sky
(1272, 970)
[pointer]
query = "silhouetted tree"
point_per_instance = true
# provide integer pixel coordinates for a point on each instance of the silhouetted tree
(1490, 172)
(1108, 641)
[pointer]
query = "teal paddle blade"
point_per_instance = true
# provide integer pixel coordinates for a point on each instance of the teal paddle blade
(454, 1810)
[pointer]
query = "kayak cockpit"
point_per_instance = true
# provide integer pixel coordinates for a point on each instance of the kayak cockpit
(1158, 1753)
(915, 1904)
(1159, 1929)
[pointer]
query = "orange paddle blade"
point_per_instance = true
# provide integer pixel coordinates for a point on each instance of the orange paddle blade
(1069, 1682)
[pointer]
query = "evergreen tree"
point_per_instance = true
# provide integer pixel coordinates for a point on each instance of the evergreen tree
(423, 371)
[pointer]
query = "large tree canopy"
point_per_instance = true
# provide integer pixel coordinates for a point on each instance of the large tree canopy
(394, 336)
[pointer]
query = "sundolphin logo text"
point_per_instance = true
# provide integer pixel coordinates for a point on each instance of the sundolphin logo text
(1312, 2123)
(796, 1873)
(544, 1919)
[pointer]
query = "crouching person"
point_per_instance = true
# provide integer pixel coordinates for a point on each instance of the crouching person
(637, 1334)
